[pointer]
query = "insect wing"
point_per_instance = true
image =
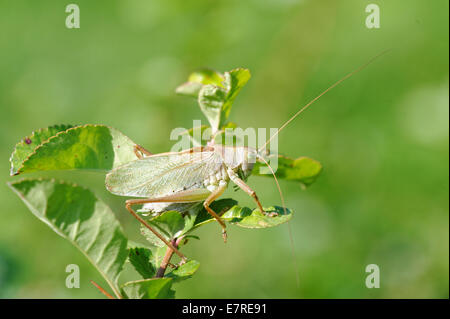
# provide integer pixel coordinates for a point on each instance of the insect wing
(164, 174)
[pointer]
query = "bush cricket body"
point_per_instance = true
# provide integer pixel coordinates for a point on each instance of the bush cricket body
(199, 174)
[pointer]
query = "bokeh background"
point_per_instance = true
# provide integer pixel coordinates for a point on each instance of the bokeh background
(382, 135)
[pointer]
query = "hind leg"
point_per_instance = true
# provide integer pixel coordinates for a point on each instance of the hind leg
(239, 182)
(211, 198)
(189, 196)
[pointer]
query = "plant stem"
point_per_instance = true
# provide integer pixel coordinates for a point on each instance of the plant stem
(166, 260)
(103, 291)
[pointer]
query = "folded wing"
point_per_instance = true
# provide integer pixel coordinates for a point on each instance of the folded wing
(161, 175)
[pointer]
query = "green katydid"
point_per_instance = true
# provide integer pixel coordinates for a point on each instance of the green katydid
(197, 175)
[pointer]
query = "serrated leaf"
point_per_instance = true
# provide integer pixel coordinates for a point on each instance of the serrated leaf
(77, 215)
(183, 272)
(140, 259)
(169, 224)
(156, 253)
(26, 147)
(303, 169)
(155, 288)
(96, 147)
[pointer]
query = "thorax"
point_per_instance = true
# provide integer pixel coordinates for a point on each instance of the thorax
(236, 160)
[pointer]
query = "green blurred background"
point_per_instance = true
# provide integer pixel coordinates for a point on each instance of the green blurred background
(382, 136)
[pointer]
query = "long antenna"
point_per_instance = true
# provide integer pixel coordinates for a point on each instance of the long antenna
(291, 237)
(289, 121)
(320, 95)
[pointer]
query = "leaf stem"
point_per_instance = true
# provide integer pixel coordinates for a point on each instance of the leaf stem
(166, 260)
(103, 291)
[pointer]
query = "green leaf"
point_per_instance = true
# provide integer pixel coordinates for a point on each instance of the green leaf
(140, 259)
(157, 255)
(216, 93)
(134, 244)
(77, 215)
(212, 99)
(202, 217)
(234, 82)
(303, 169)
(82, 147)
(197, 80)
(27, 146)
(206, 76)
(245, 217)
(169, 224)
(242, 216)
(230, 125)
(155, 288)
(189, 89)
(185, 271)
(187, 238)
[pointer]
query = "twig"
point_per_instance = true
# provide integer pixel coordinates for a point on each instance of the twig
(103, 291)
(166, 260)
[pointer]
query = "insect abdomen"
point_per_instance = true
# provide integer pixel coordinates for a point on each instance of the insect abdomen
(217, 179)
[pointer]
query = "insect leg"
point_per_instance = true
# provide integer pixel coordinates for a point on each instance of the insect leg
(239, 182)
(211, 198)
(140, 151)
(128, 205)
(189, 196)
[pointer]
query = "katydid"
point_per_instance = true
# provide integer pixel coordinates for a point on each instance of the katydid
(197, 175)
